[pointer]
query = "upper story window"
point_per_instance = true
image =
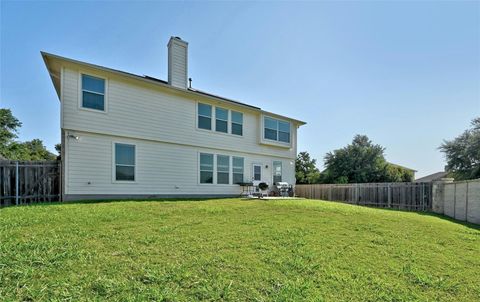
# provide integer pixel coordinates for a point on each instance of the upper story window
(276, 130)
(204, 116)
(93, 92)
(237, 123)
(221, 120)
(124, 162)
(225, 120)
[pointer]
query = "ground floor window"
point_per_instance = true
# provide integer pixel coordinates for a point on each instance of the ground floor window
(277, 171)
(219, 166)
(238, 163)
(223, 169)
(124, 162)
(206, 168)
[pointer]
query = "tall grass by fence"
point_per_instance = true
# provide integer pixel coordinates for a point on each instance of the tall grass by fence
(25, 182)
(404, 196)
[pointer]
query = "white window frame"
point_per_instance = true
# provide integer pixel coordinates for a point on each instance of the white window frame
(114, 165)
(227, 120)
(213, 122)
(268, 141)
(80, 92)
(215, 170)
(230, 169)
(214, 178)
(243, 168)
(231, 123)
(212, 118)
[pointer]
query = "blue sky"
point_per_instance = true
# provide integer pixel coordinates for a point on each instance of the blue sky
(407, 74)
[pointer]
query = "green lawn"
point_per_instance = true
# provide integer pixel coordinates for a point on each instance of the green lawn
(235, 250)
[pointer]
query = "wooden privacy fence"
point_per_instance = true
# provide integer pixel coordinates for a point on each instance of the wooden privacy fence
(25, 182)
(404, 196)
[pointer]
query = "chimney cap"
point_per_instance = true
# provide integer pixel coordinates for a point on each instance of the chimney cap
(177, 39)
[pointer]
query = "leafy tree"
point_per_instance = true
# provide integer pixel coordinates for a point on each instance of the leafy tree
(360, 162)
(463, 153)
(306, 171)
(58, 148)
(14, 150)
(394, 173)
(8, 128)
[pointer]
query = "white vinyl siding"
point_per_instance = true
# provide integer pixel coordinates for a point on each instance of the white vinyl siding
(161, 168)
(177, 64)
(144, 111)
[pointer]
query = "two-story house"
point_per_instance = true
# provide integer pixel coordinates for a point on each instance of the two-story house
(130, 136)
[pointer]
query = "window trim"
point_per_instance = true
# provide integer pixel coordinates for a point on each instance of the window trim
(214, 119)
(232, 122)
(210, 117)
(80, 92)
(215, 170)
(230, 169)
(243, 172)
(271, 141)
(114, 165)
(227, 120)
(214, 162)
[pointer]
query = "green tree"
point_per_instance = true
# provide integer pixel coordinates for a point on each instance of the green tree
(14, 150)
(463, 153)
(8, 128)
(306, 171)
(360, 162)
(394, 173)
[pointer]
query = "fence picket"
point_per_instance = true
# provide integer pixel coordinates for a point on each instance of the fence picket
(405, 196)
(25, 182)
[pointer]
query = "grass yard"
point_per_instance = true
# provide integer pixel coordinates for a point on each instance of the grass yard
(235, 250)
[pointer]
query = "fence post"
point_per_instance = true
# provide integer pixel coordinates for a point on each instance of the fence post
(16, 183)
(389, 195)
(466, 203)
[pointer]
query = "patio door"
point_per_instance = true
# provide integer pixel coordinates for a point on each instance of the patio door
(257, 172)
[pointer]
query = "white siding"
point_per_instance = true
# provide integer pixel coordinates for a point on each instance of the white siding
(161, 168)
(177, 63)
(138, 110)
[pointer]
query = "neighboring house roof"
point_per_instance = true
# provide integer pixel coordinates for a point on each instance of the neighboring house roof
(54, 74)
(432, 177)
